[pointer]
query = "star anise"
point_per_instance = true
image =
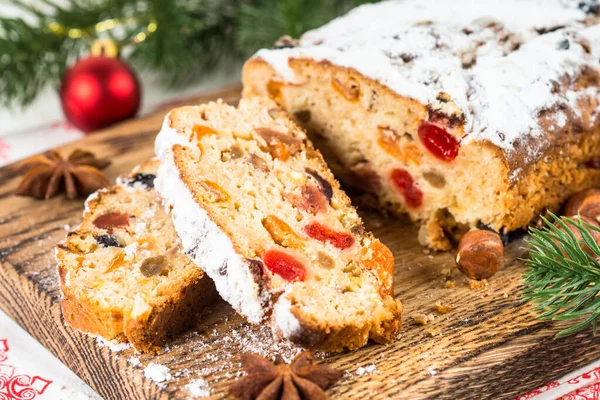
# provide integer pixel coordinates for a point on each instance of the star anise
(49, 173)
(302, 379)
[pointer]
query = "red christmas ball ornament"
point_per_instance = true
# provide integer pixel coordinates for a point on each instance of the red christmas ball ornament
(99, 91)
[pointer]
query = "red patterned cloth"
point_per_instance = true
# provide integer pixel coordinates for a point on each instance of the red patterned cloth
(29, 372)
(583, 384)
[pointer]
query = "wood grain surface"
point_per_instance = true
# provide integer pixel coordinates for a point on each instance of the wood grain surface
(488, 346)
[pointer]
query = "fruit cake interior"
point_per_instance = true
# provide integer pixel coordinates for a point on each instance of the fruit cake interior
(123, 274)
(256, 207)
(459, 113)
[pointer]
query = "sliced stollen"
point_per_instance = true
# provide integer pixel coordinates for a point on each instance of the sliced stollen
(257, 208)
(122, 273)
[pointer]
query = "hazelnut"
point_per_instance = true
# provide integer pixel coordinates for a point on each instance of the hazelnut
(595, 234)
(480, 254)
(586, 203)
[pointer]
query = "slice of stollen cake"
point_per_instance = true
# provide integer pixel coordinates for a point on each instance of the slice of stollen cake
(122, 273)
(257, 208)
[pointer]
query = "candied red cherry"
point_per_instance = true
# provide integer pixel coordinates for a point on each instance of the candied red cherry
(284, 265)
(406, 185)
(317, 231)
(438, 141)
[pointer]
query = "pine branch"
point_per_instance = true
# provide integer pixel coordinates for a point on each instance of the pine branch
(563, 280)
(192, 37)
(291, 17)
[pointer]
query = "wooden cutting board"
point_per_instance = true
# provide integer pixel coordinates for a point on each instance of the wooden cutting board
(488, 346)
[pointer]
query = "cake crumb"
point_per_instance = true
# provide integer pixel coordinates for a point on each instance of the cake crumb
(422, 319)
(198, 388)
(443, 308)
(476, 285)
(449, 284)
(434, 331)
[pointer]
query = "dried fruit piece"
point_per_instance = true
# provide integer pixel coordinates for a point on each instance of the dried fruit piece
(153, 265)
(379, 258)
(480, 254)
(390, 143)
(435, 179)
(325, 260)
(284, 265)
(108, 241)
(281, 233)
(213, 192)
(111, 220)
(320, 232)
(324, 186)
(279, 151)
(146, 180)
(406, 185)
(271, 136)
(200, 131)
(116, 262)
(313, 200)
(274, 89)
(233, 153)
(438, 141)
(348, 87)
(258, 163)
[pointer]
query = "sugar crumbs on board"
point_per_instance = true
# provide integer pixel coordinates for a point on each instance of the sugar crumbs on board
(198, 388)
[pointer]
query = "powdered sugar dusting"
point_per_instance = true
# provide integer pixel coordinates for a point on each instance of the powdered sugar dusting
(499, 61)
(157, 373)
(112, 345)
(198, 388)
(202, 240)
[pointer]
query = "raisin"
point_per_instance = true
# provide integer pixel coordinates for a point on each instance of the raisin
(281, 233)
(435, 179)
(325, 260)
(406, 185)
(438, 141)
(108, 241)
(340, 240)
(111, 220)
(324, 186)
(153, 265)
(284, 265)
(146, 180)
(233, 153)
